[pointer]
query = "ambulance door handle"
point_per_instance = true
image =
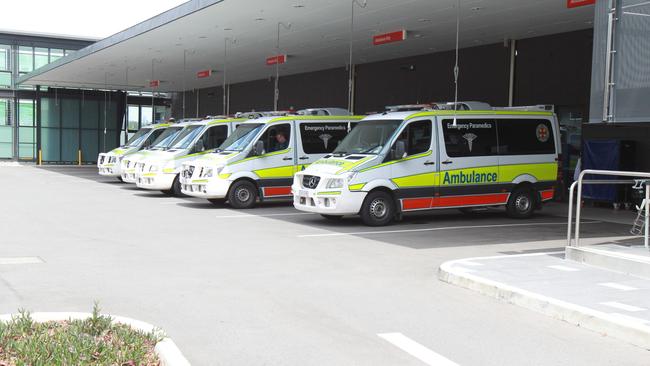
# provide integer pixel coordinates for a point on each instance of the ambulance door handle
(303, 157)
(447, 162)
(287, 158)
(429, 163)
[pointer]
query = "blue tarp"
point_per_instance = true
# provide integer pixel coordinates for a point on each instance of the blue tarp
(601, 155)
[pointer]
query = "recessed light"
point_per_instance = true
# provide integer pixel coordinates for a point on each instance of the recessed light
(298, 6)
(422, 20)
(476, 8)
(203, 37)
(259, 19)
(418, 35)
(227, 29)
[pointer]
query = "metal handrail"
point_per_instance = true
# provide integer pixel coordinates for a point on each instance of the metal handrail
(614, 173)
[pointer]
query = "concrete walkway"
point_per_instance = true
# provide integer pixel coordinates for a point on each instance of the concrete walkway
(608, 302)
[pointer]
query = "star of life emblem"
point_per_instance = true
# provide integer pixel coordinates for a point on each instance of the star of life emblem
(470, 137)
(325, 137)
(542, 133)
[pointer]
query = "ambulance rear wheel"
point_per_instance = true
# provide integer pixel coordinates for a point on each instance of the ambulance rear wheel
(332, 217)
(378, 209)
(243, 194)
(176, 187)
(521, 204)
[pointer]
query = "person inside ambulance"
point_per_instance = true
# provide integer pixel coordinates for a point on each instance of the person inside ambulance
(280, 141)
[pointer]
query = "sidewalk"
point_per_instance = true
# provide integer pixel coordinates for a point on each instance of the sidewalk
(601, 300)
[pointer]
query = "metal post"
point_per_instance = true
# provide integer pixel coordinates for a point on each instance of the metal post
(350, 65)
(647, 215)
(226, 102)
(184, 72)
(513, 63)
(609, 62)
(276, 92)
(568, 229)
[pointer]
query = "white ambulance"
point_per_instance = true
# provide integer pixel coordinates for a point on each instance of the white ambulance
(109, 164)
(159, 169)
(397, 162)
(259, 159)
(128, 164)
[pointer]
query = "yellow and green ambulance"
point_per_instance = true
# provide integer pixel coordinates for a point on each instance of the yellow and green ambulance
(258, 160)
(397, 162)
(109, 164)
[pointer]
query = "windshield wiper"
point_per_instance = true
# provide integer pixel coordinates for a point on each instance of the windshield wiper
(340, 153)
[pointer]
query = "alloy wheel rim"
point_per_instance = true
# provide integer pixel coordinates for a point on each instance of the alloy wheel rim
(378, 208)
(243, 194)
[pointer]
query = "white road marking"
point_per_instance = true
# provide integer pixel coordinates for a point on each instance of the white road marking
(437, 229)
(617, 286)
(622, 306)
(564, 268)
(267, 215)
(21, 260)
(416, 350)
(631, 319)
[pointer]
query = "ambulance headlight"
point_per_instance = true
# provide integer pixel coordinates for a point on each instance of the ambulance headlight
(153, 168)
(335, 183)
(207, 173)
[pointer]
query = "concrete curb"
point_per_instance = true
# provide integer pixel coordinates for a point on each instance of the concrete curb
(166, 349)
(606, 324)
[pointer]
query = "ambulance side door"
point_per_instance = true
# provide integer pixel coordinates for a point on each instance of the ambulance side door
(469, 162)
(317, 139)
(274, 165)
(415, 172)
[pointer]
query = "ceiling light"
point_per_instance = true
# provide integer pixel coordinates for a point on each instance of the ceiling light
(422, 20)
(476, 8)
(227, 29)
(203, 37)
(259, 19)
(297, 6)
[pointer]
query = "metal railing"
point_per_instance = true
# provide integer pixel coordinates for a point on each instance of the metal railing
(579, 183)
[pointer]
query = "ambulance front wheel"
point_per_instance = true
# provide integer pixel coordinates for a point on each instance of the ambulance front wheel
(521, 204)
(242, 194)
(378, 209)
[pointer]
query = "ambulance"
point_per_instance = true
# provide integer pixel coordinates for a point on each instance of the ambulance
(161, 143)
(466, 155)
(257, 162)
(109, 164)
(159, 170)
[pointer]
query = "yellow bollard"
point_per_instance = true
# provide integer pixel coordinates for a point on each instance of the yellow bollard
(40, 157)
(79, 156)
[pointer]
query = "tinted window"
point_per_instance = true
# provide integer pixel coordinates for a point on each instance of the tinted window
(322, 138)
(153, 136)
(525, 137)
(417, 137)
(214, 137)
(276, 137)
(470, 137)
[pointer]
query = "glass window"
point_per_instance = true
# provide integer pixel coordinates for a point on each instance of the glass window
(153, 136)
(368, 137)
(185, 139)
(25, 59)
(147, 115)
(55, 54)
(322, 138)
(276, 138)
(4, 112)
(525, 137)
(241, 137)
(133, 115)
(417, 137)
(162, 113)
(138, 137)
(40, 57)
(166, 138)
(26, 112)
(213, 137)
(5, 57)
(5, 79)
(470, 137)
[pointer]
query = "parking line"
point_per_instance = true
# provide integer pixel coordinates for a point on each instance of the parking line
(416, 350)
(622, 306)
(564, 268)
(21, 260)
(617, 286)
(437, 229)
(631, 319)
(267, 215)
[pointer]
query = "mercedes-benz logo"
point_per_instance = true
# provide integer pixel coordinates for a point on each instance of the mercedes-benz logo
(313, 182)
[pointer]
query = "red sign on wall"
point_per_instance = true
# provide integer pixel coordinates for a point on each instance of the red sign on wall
(273, 60)
(389, 37)
(154, 83)
(204, 74)
(577, 3)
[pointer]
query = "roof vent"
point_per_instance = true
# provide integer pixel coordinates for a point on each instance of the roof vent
(529, 108)
(323, 112)
(259, 114)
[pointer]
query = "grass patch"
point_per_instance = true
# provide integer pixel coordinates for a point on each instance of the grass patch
(90, 342)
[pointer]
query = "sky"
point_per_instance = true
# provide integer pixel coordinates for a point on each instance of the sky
(82, 18)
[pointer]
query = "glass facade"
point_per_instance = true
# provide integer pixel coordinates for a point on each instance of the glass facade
(6, 130)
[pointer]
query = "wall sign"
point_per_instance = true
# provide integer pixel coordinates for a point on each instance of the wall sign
(274, 60)
(391, 37)
(576, 3)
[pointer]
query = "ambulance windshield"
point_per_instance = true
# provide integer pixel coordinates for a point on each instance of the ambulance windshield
(241, 137)
(138, 138)
(166, 138)
(368, 137)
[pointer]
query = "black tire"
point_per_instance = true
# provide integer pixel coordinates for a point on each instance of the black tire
(522, 203)
(120, 179)
(217, 201)
(332, 217)
(378, 209)
(176, 187)
(242, 195)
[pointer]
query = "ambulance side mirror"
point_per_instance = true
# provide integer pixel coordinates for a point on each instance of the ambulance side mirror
(398, 150)
(258, 149)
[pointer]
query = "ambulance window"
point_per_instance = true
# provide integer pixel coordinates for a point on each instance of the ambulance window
(322, 138)
(153, 136)
(470, 137)
(525, 136)
(276, 137)
(417, 137)
(215, 136)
